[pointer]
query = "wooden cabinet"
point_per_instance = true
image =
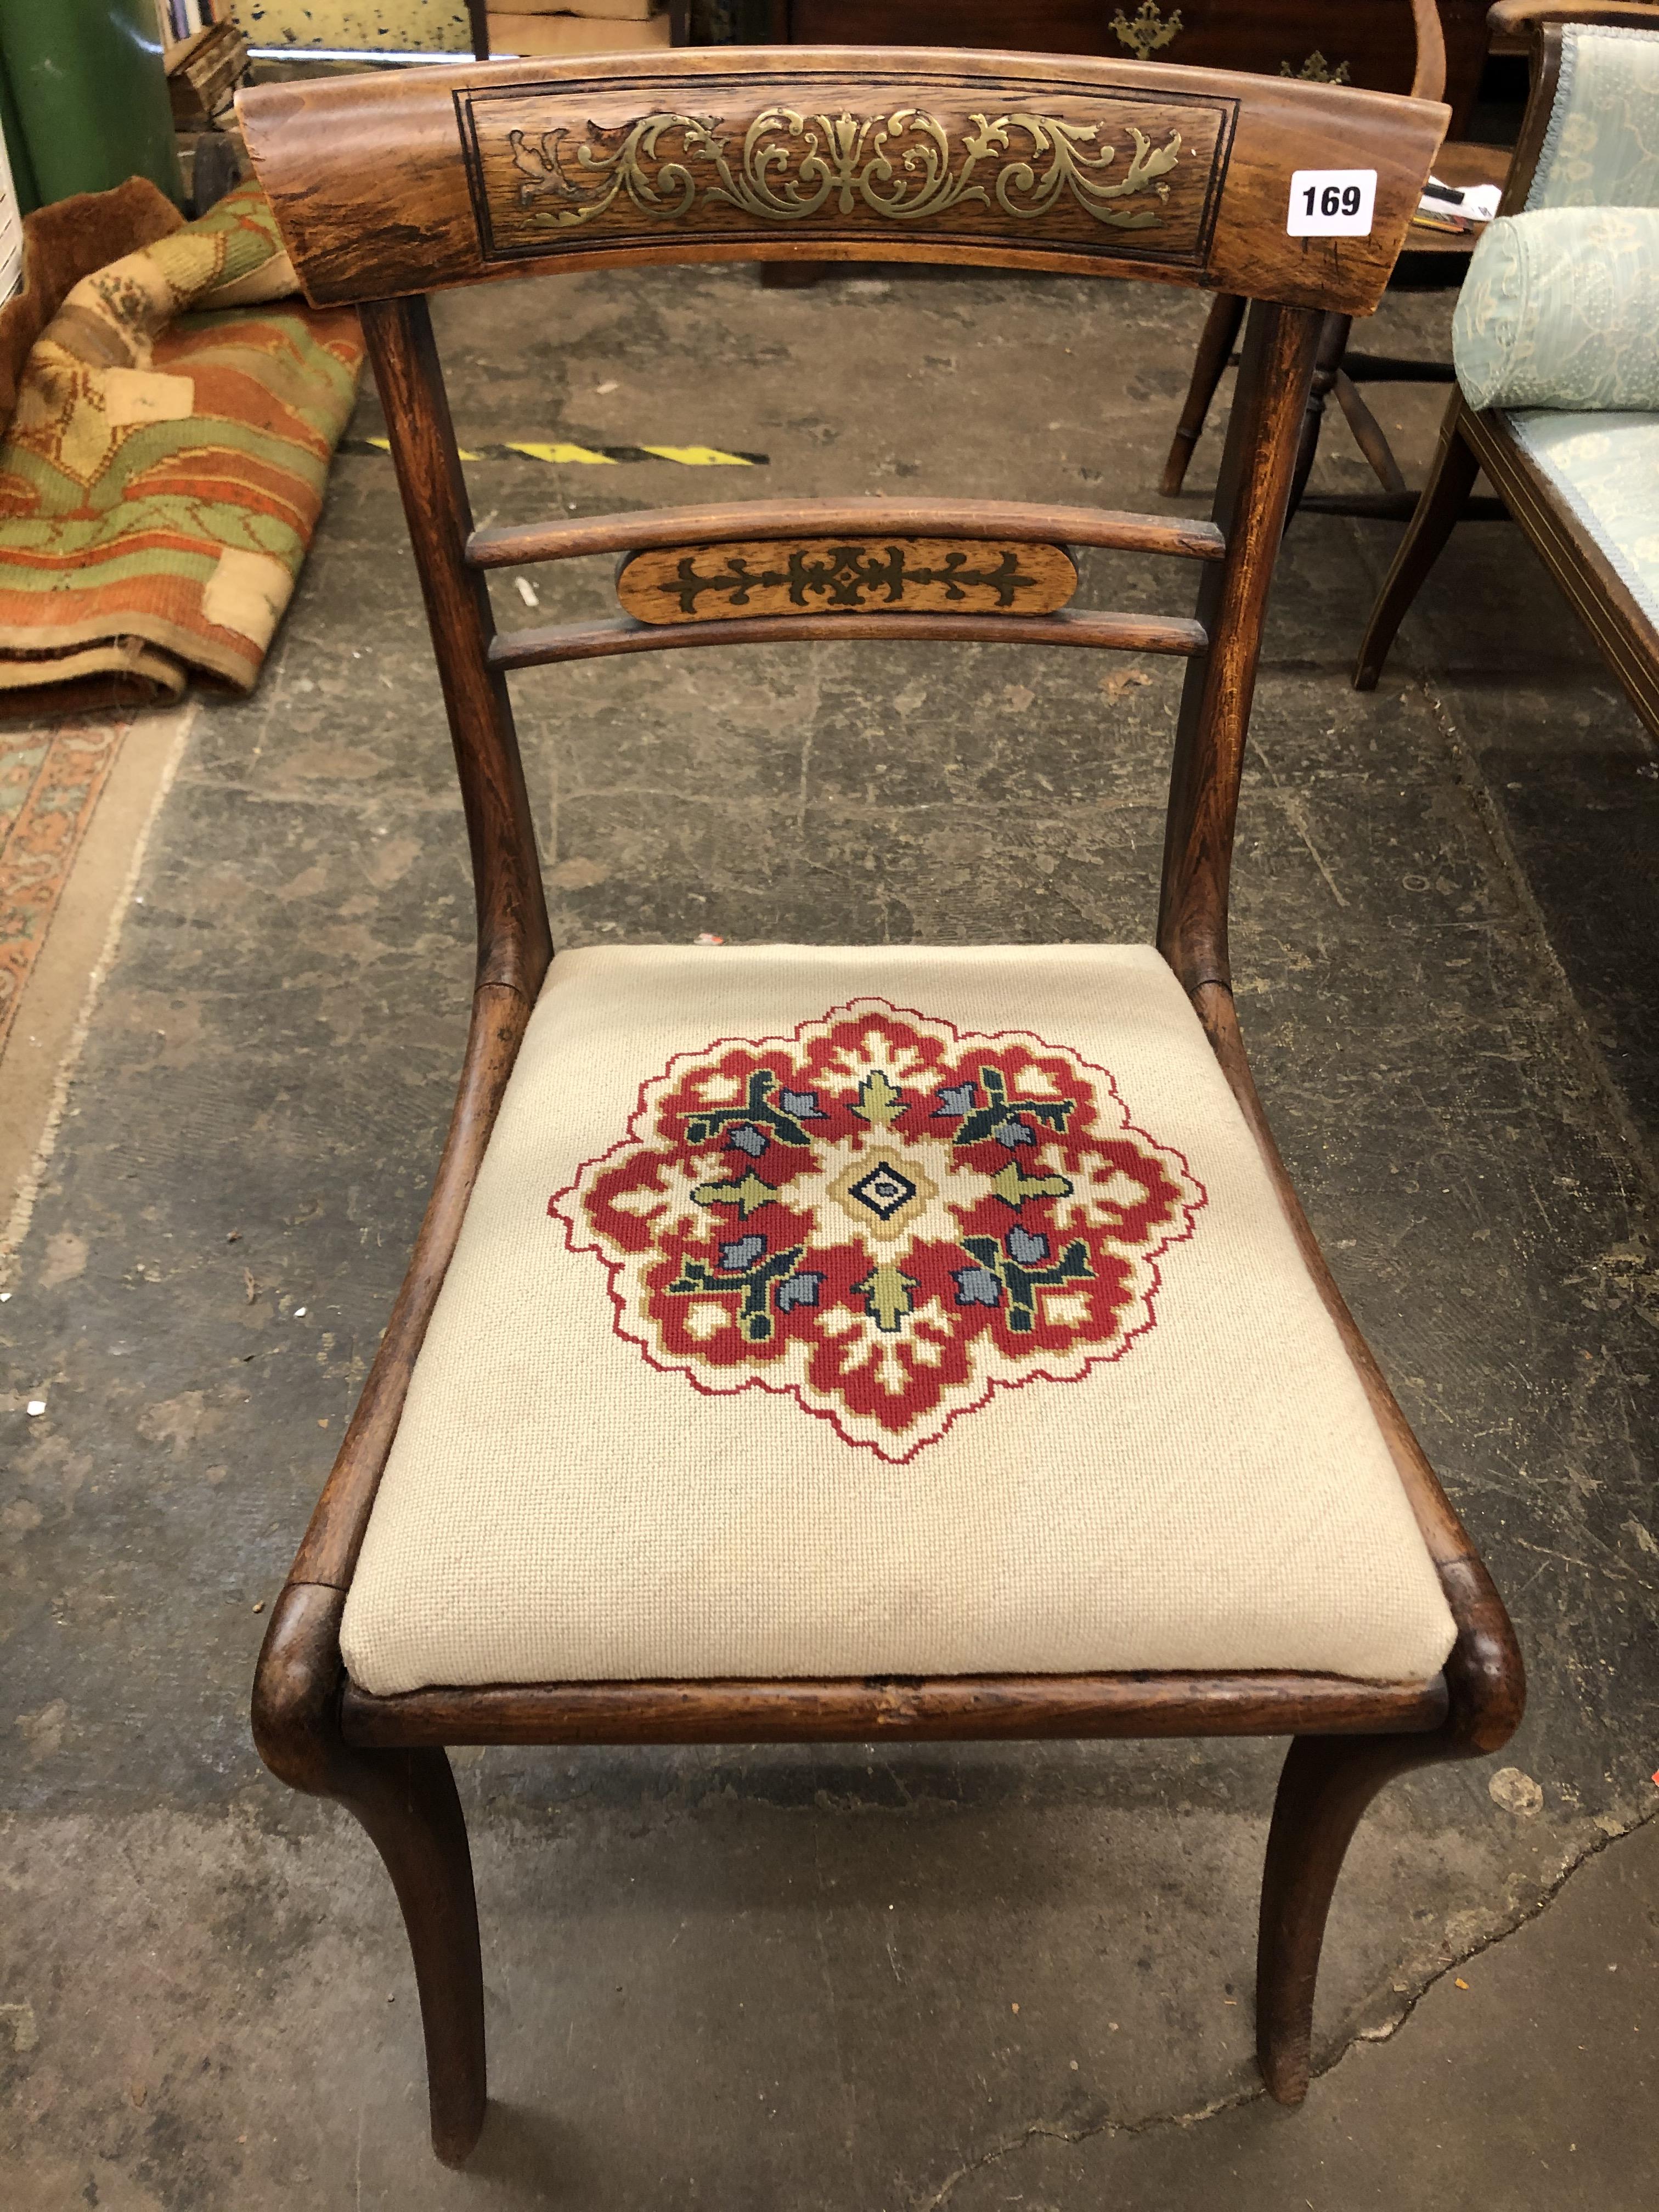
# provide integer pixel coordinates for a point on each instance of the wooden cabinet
(1364, 42)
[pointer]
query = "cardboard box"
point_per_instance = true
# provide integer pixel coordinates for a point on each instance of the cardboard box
(537, 36)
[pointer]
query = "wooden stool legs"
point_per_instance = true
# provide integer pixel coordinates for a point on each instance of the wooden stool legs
(1444, 499)
(406, 1801)
(1215, 346)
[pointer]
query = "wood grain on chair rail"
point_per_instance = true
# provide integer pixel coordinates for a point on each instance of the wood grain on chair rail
(510, 545)
(608, 635)
(387, 184)
(1004, 1708)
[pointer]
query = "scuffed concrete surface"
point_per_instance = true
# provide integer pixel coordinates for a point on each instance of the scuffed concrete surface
(758, 1978)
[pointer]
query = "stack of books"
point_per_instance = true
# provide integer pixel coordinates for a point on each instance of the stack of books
(577, 27)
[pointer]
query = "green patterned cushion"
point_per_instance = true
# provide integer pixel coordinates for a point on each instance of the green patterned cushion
(1601, 148)
(1560, 309)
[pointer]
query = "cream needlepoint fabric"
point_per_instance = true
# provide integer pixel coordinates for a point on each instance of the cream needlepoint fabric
(828, 1311)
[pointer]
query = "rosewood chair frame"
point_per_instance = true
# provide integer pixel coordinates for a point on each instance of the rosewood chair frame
(1336, 373)
(384, 188)
(1472, 443)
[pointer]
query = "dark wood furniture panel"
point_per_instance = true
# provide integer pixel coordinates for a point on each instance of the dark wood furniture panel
(1361, 42)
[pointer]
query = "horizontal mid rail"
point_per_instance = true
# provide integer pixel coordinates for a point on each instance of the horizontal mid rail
(971, 1708)
(614, 633)
(511, 545)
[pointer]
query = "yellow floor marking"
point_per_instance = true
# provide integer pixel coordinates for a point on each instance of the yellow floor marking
(559, 452)
(698, 457)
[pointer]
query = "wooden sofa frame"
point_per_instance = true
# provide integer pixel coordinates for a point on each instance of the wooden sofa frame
(1472, 441)
(385, 187)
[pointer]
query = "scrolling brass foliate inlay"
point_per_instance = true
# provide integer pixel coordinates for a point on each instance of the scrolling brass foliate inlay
(1054, 170)
(828, 575)
(787, 167)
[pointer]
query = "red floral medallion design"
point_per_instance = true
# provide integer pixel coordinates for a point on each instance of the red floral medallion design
(884, 1216)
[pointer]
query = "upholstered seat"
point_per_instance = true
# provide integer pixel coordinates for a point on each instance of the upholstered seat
(839, 1312)
(1605, 467)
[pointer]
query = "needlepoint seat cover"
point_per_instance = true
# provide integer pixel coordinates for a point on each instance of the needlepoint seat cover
(850, 1312)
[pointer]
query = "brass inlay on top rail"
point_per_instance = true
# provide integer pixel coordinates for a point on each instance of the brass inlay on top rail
(785, 166)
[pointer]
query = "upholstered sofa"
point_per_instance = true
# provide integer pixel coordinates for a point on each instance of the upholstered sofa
(1583, 481)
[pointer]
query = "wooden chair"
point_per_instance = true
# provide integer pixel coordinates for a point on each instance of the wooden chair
(900, 1384)
(1584, 557)
(1336, 371)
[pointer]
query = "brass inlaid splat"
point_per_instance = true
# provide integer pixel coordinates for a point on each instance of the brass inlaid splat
(828, 575)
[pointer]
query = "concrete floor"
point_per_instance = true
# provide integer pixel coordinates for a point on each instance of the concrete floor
(900, 1978)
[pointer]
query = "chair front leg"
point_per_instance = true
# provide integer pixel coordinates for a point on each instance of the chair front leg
(1326, 1784)
(407, 1803)
(1444, 498)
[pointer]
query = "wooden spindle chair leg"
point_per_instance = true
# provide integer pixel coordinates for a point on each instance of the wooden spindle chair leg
(407, 1803)
(1368, 433)
(1215, 346)
(1333, 344)
(1444, 499)
(1327, 1782)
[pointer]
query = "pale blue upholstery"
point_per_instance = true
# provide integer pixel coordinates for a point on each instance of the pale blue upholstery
(1532, 325)
(1606, 468)
(1601, 148)
(1560, 308)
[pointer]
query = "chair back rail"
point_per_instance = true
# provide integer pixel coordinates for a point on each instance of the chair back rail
(511, 545)
(389, 184)
(620, 634)
(385, 186)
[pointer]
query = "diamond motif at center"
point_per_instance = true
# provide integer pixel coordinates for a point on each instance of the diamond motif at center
(883, 1192)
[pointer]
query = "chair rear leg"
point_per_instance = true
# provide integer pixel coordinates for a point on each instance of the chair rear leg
(1444, 497)
(1327, 1782)
(1220, 335)
(407, 1803)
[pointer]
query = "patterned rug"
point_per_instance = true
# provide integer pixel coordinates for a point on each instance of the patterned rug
(51, 778)
(164, 468)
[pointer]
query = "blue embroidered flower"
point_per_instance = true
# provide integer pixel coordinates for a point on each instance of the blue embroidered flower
(977, 1286)
(749, 1140)
(1012, 1133)
(1029, 1249)
(744, 1252)
(800, 1289)
(803, 1104)
(957, 1099)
